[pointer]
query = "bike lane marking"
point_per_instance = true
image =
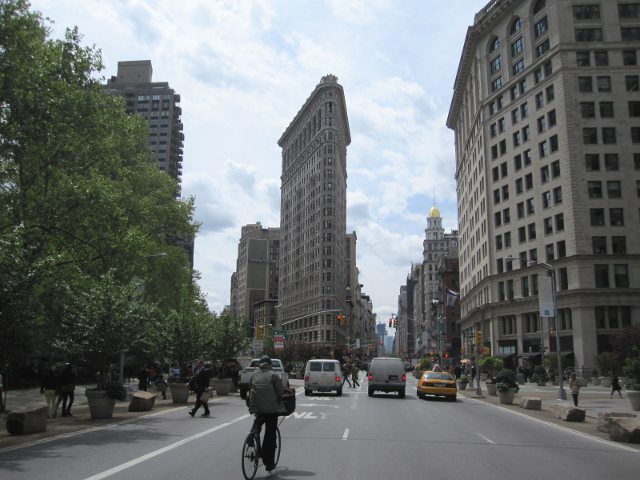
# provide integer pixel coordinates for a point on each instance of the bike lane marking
(155, 453)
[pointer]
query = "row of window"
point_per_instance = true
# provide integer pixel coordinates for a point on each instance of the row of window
(597, 217)
(588, 109)
(592, 12)
(611, 162)
(608, 135)
(601, 58)
(627, 34)
(603, 83)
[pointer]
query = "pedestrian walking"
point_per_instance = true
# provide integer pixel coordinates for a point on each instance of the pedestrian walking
(201, 384)
(574, 386)
(615, 386)
(473, 373)
(346, 371)
(143, 379)
(161, 383)
(49, 387)
(354, 375)
(66, 390)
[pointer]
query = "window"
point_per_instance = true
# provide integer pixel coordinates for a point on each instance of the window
(559, 218)
(588, 109)
(542, 124)
(629, 57)
(550, 94)
(548, 251)
(588, 34)
(496, 84)
(631, 83)
(621, 276)
(507, 239)
(597, 217)
(586, 12)
(557, 195)
(524, 286)
(634, 109)
(594, 189)
(515, 116)
(543, 149)
(585, 84)
(498, 242)
(496, 195)
(630, 34)
(590, 136)
(601, 273)
(592, 162)
(600, 317)
(528, 181)
(496, 174)
(546, 199)
(524, 110)
(541, 27)
(494, 45)
(520, 209)
(517, 47)
(542, 48)
(497, 217)
(506, 216)
(616, 217)
(533, 254)
(561, 248)
(583, 58)
(619, 245)
(516, 139)
(547, 225)
(526, 133)
(635, 134)
(505, 192)
(518, 67)
(636, 161)
(604, 83)
(526, 155)
(522, 234)
(599, 245)
(608, 135)
(530, 206)
(606, 109)
(531, 230)
(501, 125)
(611, 162)
(614, 189)
(517, 162)
(601, 57)
(555, 169)
(516, 26)
(519, 188)
(630, 10)
(495, 65)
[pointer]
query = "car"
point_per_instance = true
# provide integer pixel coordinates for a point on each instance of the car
(244, 375)
(439, 384)
(323, 375)
(387, 374)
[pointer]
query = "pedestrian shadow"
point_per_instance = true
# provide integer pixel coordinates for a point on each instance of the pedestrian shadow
(286, 472)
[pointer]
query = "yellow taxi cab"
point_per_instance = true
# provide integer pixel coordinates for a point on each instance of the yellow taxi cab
(440, 384)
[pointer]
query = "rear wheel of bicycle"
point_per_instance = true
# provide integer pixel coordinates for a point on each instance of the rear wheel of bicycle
(250, 458)
(276, 455)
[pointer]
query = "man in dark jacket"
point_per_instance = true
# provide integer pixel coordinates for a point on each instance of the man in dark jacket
(201, 384)
(265, 401)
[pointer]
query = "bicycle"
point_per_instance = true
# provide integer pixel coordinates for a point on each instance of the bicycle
(252, 452)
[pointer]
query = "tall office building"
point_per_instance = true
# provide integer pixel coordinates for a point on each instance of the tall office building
(546, 115)
(313, 256)
(255, 281)
(159, 104)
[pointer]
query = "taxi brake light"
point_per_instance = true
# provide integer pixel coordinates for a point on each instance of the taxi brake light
(306, 378)
(404, 378)
(338, 378)
(370, 376)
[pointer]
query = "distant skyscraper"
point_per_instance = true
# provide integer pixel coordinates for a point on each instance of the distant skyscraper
(159, 104)
(546, 116)
(313, 256)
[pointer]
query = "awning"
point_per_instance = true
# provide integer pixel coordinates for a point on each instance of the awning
(531, 354)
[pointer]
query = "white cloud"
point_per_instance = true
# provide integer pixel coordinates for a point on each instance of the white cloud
(244, 69)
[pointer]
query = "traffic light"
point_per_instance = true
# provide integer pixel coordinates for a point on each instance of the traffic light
(395, 323)
(446, 355)
(478, 337)
(390, 322)
(340, 318)
(260, 331)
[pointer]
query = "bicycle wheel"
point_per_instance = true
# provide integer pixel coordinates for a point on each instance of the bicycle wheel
(276, 455)
(250, 458)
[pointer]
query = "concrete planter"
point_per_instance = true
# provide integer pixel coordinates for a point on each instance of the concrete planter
(462, 385)
(100, 404)
(179, 392)
(634, 398)
(491, 389)
(222, 387)
(507, 397)
(605, 382)
(595, 381)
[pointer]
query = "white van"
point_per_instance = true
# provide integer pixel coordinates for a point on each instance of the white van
(323, 375)
(387, 375)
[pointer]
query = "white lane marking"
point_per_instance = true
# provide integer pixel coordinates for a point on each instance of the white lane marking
(559, 427)
(345, 435)
(485, 438)
(148, 456)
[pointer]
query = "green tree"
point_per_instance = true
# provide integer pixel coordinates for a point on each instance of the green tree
(80, 200)
(229, 336)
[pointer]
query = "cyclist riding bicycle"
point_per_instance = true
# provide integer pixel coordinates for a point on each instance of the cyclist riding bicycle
(265, 401)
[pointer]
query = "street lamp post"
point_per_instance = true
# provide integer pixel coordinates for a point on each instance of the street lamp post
(562, 395)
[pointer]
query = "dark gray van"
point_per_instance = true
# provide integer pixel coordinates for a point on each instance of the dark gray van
(387, 375)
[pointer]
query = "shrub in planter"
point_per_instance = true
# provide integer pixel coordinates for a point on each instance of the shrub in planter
(505, 380)
(540, 374)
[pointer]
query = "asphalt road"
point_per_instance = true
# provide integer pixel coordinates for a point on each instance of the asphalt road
(328, 437)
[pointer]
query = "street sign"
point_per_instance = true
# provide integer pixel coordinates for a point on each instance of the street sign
(278, 342)
(258, 346)
(282, 333)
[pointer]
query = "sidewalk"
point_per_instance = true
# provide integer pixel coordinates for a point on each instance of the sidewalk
(592, 399)
(81, 419)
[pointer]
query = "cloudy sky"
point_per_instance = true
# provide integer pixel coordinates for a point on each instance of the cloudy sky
(244, 69)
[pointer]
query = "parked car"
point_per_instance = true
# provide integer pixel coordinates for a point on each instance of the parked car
(387, 375)
(323, 375)
(244, 376)
(439, 384)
